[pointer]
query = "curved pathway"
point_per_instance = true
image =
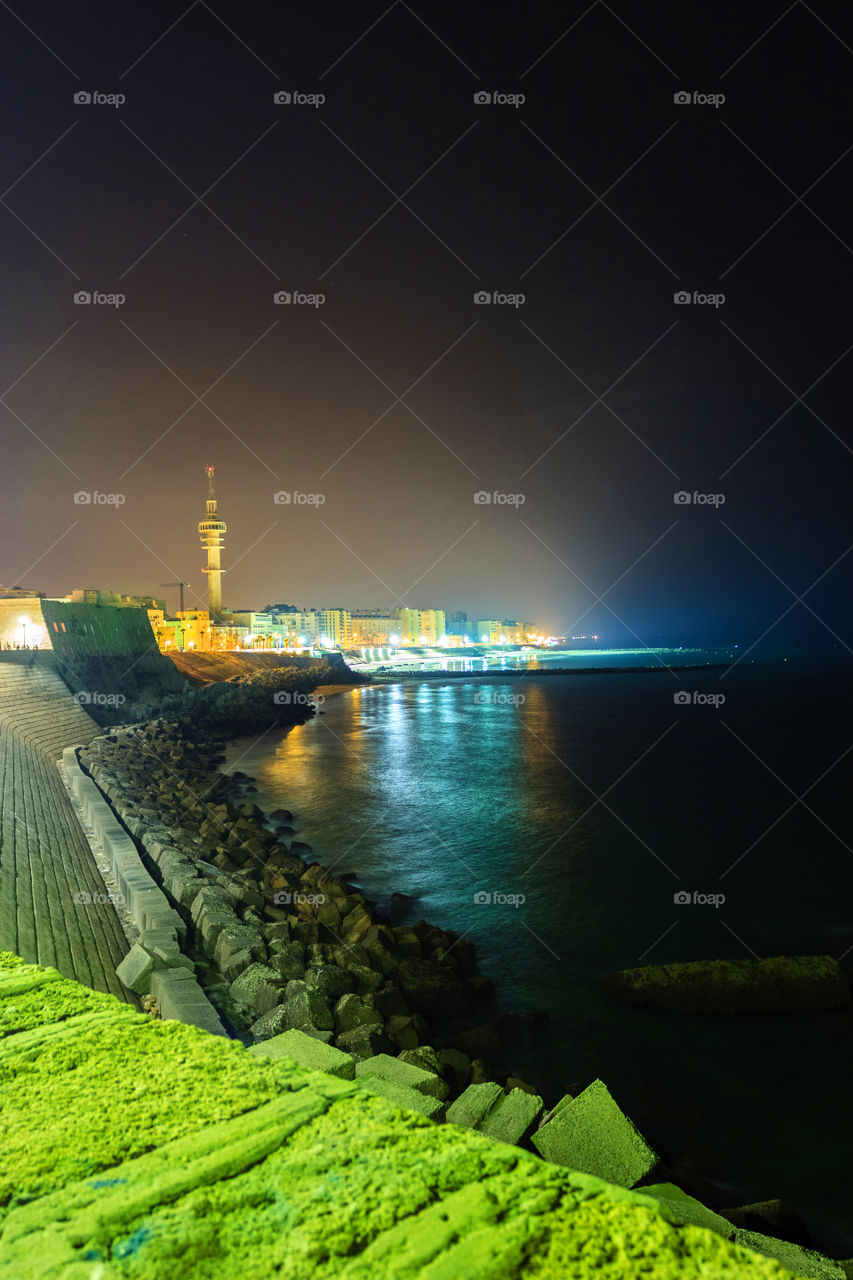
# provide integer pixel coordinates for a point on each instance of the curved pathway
(45, 858)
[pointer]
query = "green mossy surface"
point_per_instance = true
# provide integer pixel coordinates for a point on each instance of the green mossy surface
(144, 1150)
(96, 1092)
(31, 997)
(685, 1209)
(595, 1241)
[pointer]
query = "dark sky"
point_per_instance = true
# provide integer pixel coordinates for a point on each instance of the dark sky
(400, 197)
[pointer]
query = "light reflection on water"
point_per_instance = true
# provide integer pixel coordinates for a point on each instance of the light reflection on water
(447, 790)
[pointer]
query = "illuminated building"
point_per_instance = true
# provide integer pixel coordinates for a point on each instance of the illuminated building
(335, 628)
(191, 629)
(433, 626)
(20, 593)
(195, 629)
(374, 628)
(228, 636)
(94, 595)
(410, 626)
(488, 631)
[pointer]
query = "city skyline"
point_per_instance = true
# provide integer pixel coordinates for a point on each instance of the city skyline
(204, 260)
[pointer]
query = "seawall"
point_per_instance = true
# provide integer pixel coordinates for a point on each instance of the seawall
(206, 668)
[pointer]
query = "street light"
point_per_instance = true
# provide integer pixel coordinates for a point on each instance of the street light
(23, 622)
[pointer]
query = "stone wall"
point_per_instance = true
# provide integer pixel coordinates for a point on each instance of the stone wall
(107, 656)
(14, 631)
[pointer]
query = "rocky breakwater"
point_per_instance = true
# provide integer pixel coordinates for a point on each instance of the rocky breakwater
(292, 946)
(777, 984)
(302, 965)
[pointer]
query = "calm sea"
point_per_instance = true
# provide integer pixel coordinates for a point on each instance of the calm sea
(554, 819)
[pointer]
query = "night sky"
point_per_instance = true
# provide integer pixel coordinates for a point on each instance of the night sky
(398, 199)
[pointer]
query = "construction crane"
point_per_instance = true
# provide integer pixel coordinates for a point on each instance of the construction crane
(181, 585)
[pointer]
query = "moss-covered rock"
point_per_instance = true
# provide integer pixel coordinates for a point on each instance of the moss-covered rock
(136, 1149)
(779, 984)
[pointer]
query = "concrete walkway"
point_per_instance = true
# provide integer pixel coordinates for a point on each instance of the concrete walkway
(44, 857)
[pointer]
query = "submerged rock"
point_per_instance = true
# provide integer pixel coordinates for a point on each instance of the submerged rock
(780, 984)
(430, 988)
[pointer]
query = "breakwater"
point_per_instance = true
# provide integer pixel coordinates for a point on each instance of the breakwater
(516, 673)
(303, 960)
(290, 943)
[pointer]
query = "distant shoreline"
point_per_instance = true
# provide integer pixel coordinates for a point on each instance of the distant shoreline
(515, 674)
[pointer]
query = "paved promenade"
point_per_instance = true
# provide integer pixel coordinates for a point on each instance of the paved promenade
(44, 856)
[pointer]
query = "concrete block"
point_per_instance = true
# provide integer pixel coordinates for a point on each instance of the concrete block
(236, 964)
(159, 914)
(172, 959)
(136, 969)
(101, 818)
(365, 1041)
(253, 979)
(138, 889)
(685, 1211)
(183, 886)
(151, 938)
(236, 938)
(171, 861)
(403, 1074)
(512, 1117)
(307, 1051)
(797, 1260)
(115, 840)
(472, 1105)
(156, 842)
(125, 871)
(180, 997)
(401, 1094)
(593, 1135)
(214, 918)
(89, 795)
